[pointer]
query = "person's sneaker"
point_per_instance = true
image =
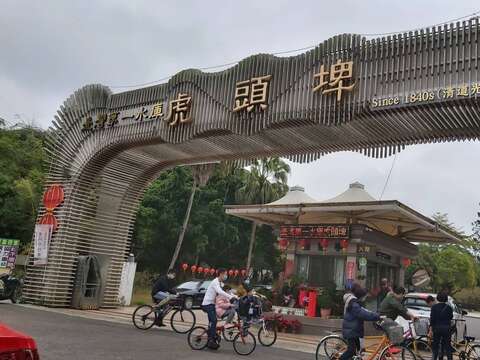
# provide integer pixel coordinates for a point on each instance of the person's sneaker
(212, 345)
(159, 323)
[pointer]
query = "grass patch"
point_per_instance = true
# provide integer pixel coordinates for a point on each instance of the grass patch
(141, 296)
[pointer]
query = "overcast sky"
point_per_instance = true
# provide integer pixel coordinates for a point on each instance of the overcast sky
(48, 49)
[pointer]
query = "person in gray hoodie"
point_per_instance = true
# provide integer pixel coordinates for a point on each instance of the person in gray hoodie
(354, 314)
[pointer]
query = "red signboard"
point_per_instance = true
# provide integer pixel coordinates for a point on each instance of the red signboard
(350, 270)
(314, 231)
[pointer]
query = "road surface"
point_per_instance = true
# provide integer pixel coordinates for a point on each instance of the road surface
(63, 337)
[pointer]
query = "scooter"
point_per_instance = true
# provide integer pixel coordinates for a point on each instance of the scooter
(10, 288)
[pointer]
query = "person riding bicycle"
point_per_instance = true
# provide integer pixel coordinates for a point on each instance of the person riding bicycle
(392, 306)
(354, 314)
(208, 306)
(163, 291)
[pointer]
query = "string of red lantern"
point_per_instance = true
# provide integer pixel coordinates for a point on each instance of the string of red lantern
(205, 271)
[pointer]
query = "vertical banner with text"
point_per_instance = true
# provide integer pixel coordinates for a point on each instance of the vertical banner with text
(43, 234)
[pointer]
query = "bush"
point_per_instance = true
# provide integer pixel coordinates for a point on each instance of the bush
(469, 298)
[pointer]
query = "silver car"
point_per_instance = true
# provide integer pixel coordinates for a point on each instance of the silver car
(416, 303)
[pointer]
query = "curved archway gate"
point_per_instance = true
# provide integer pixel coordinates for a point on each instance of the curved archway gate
(348, 94)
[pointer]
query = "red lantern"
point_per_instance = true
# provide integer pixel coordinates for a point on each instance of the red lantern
(283, 243)
(49, 219)
(244, 272)
(324, 244)
(206, 271)
(344, 244)
(184, 266)
(217, 272)
(53, 197)
(212, 272)
(298, 231)
(193, 268)
(303, 243)
(200, 269)
(406, 262)
(230, 272)
(237, 272)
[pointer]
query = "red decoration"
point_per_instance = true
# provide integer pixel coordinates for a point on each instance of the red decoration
(324, 244)
(193, 268)
(49, 219)
(200, 269)
(206, 271)
(212, 272)
(406, 262)
(184, 266)
(303, 243)
(230, 272)
(237, 272)
(244, 272)
(344, 244)
(53, 197)
(283, 243)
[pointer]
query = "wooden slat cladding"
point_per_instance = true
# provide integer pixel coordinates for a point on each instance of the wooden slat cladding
(105, 172)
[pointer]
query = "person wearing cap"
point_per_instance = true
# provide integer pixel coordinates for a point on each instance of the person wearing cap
(354, 314)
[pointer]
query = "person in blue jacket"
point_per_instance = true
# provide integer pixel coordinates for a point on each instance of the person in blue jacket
(354, 314)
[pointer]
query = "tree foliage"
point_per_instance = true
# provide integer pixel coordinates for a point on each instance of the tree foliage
(450, 266)
(212, 239)
(21, 181)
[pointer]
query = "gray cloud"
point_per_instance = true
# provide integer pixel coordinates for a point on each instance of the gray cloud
(51, 48)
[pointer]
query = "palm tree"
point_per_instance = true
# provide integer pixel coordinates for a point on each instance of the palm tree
(265, 182)
(200, 174)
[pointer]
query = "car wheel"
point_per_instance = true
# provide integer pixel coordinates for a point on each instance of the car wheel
(188, 302)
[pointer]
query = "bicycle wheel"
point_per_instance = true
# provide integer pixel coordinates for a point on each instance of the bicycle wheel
(244, 345)
(229, 333)
(144, 317)
(474, 352)
(397, 352)
(267, 334)
(331, 347)
(421, 348)
(198, 338)
(182, 321)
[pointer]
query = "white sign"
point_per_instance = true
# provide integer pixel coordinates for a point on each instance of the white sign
(43, 234)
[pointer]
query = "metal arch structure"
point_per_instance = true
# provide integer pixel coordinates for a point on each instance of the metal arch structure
(105, 171)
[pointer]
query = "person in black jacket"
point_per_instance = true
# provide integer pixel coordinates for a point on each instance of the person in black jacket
(353, 317)
(441, 316)
(163, 291)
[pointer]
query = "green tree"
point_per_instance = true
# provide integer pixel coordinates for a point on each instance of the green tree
(265, 182)
(21, 181)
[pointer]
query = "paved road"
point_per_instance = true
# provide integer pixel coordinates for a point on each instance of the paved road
(66, 337)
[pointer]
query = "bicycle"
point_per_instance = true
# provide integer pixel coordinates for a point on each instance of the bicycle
(465, 350)
(182, 320)
(388, 348)
(244, 342)
(415, 340)
(267, 333)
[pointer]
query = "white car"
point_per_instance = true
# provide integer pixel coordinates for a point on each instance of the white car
(417, 304)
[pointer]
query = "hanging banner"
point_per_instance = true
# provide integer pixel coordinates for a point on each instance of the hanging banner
(43, 234)
(8, 252)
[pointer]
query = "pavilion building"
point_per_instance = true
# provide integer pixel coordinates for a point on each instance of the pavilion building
(352, 237)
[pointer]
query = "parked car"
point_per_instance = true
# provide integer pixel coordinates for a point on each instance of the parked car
(193, 292)
(417, 304)
(15, 345)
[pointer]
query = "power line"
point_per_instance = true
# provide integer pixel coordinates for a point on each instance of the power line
(388, 177)
(472, 15)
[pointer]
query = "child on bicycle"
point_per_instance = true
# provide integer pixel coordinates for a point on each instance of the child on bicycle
(223, 306)
(354, 314)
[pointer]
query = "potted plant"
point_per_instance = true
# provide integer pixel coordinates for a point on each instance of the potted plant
(325, 303)
(296, 326)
